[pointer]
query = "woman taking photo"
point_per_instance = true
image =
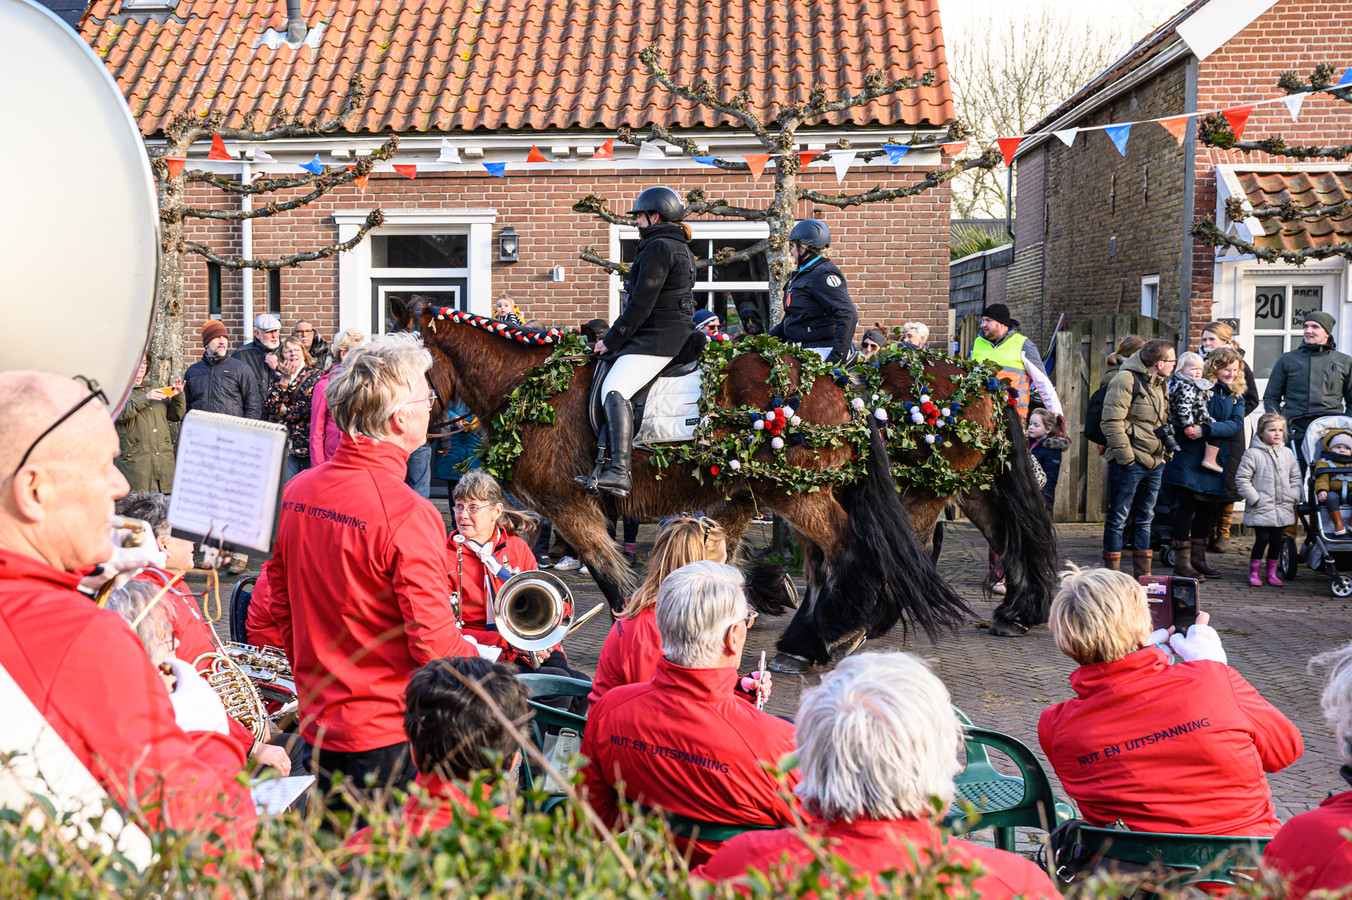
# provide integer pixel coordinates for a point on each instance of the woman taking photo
(1199, 491)
(288, 402)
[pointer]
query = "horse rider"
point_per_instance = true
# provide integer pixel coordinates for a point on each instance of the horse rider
(818, 311)
(652, 328)
(1018, 358)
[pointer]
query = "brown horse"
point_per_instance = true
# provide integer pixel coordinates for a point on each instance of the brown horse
(860, 547)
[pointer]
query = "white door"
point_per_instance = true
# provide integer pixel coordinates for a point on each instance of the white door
(1275, 306)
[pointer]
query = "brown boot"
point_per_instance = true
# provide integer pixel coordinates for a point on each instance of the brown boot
(1199, 559)
(1112, 560)
(1183, 561)
(1140, 562)
(1220, 531)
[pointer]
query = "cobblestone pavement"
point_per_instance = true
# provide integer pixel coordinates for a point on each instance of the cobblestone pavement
(1004, 683)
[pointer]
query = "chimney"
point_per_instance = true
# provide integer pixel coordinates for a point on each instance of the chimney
(295, 23)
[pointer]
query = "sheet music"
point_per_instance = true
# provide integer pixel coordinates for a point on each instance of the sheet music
(271, 798)
(226, 479)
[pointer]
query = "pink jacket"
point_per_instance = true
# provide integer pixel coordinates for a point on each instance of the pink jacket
(324, 433)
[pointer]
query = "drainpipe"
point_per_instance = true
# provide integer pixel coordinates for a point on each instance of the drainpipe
(246, 251)
(295, 22)
(1009, 199)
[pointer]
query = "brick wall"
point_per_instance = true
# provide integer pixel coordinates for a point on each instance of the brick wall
(894, 255)
(1023, 280)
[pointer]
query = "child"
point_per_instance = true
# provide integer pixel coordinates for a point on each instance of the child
(1268, 479)
(1328, 487)
(1047, 448)
(507, 310)
(1189, 395)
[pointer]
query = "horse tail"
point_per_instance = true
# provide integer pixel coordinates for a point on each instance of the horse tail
(769, 590)
(1027, 539)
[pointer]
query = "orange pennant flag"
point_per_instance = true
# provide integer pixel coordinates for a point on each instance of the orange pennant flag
(1177, 126)
(1238, 117)
(953, 148)
(407, 171)
(535, 155)
(806, 157)
(607, 150)
(218, 150)
(174, 164)
(359, 180)
(756, 163)
(1009, 146)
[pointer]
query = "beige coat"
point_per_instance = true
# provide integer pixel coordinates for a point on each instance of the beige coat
(1132, 410)
(1268, 479)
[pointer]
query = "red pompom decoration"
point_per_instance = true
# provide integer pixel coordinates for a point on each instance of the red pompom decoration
(714, 470)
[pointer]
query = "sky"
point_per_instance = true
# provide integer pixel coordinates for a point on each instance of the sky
(1135, 17)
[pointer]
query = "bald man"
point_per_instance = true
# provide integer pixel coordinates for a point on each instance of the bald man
(82, 666)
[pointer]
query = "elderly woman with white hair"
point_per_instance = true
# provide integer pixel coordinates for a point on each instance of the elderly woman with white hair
(914, 335)
(877, 751)
(1180, 749)
(1312, 851)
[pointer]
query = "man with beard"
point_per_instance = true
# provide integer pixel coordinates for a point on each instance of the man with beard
(320, 356)
(261, 352)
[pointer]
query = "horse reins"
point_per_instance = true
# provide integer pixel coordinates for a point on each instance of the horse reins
(451, 423)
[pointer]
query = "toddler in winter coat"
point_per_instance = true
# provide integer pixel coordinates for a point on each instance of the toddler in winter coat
(1189, 395)
(1268, 479)
(1047, 448)
(1329, 487)
(507, 311)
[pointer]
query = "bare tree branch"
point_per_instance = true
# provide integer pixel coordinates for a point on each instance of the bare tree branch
(362, 166)
(699, 204)
(1206, 231)
(374, 220)
(722, 257)
(987, 160)
(739, 107)
(590, 255)
(596, 205)
(1214, 129)
(187, 128)
(1287, 212)
(875, 85)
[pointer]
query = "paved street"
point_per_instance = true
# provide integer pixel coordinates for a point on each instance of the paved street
(1003, 683)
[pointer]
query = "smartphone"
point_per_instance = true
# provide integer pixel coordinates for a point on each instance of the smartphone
(1183, 598)
(1172, 599)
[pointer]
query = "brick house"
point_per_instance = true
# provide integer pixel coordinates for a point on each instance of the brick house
(1098, 232)
(467, 84)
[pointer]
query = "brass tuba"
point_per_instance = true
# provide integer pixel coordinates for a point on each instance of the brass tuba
(534, 611)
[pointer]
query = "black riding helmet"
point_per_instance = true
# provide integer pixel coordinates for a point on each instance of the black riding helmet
(661, 200)
(812, 232)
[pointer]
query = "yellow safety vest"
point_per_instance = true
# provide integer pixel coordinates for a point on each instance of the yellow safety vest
(1008, 355)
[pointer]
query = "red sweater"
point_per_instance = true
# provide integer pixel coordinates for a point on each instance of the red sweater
(1311, 850)
(260, 625)
(1178, 749)
(89, 676)
(875, 846)
(362, 599)
(468, 575)
(431, 813)
(190, 629)
(683, 742)
(629, 655)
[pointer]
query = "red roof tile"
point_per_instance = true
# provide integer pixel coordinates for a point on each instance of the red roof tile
(448, 65)
(1306, 190)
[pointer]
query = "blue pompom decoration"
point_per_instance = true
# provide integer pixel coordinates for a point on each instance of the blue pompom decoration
(795, 403)
(796, 439)
(909, 405)
(777, 403)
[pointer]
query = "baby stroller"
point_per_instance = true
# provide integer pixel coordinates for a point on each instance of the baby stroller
(1324, 552)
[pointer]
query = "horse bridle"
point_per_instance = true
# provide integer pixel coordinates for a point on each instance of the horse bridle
(451, 423)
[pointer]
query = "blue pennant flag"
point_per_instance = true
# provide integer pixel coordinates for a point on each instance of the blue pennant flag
(1119, 134)
(313, 165)
(497, 170)
(706, 160)
(895, 152)
(1346, 79)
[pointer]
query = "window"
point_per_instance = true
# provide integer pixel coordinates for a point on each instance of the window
(727, 289)
(214, 290)
(419, 251)
(1150, 296)
(1279, 312)
(275, 291)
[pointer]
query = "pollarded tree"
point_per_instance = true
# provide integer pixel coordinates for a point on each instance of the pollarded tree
(1216, 131)
(778, 135)
(173, 181)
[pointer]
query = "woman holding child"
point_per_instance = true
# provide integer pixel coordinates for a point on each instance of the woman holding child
(1200, 488)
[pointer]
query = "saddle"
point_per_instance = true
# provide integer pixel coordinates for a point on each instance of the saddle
(675, 393)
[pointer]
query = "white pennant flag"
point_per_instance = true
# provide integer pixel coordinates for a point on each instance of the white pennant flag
(1293, 103)
(651, 150)
(1068, 136)
(842, 160)
(449, 154)
(261, 156)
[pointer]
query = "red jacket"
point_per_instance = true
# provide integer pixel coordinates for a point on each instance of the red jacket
(430, 813)
(874, 846)
(260, 625)
(629, 655)
(683, 742)
(190, 629)
(362, 599)
(1178, 749)
(1311, 850)
(468, 575)
(89, 676)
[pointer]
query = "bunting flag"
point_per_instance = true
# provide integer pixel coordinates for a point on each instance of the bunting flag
(756, 163)
(1346, 79)
(497, 170)
(1009, 146)
(1293, 104)
(408, 171)
(1067, 136)
(359, 180)
(449, 153)
(1118, 134)
(175, 164)
(706, 160)
(261, 156)
(807, 156)
(1238, 117)
(607, 150)
(535, 156)
(650, 150)
(314, 165)
(218, 150)
(953, 148)
(842, 160)
(1177, 126)
(895, 152)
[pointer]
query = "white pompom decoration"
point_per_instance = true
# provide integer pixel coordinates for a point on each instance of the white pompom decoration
(796, 421)
(770, 414)
(734, 464)
(917, 417)
(758, 425)
(880, 414)
(857, 402)
(931, 438)
(777, 443)
(924, 398)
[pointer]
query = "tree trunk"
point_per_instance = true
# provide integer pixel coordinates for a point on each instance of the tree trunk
(166, 338)
(781, 220)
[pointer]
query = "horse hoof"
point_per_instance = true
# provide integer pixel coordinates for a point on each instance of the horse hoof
(844, 646)
(1003, 628)
(789, 664)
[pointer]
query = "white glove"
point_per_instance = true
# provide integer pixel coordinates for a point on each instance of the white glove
(126, 561)
(1202, 642)
(1160, 638)
(196, 706)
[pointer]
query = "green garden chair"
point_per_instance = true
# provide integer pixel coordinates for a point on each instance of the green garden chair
(699, 829)
(549, 719)
(1194, 858)
(1004, 802)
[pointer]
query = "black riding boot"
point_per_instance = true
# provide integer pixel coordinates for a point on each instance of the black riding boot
(620, 438)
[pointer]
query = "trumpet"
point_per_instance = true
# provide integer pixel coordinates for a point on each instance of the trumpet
(534, 613)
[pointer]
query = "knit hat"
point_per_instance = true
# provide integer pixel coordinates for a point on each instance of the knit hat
(1322, 319)
(875, 336)
(212, 330)
(1336, 433)
(999, 313)
(703, 317)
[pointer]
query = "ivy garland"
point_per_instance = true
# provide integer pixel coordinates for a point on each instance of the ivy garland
(529, 403)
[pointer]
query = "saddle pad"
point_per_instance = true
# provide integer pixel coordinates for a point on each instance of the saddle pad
(671, 411)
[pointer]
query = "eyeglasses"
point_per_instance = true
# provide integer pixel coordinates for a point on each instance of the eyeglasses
(472, 508)
(304, 331)
(751, 619)
(95, 392)
(431, 399)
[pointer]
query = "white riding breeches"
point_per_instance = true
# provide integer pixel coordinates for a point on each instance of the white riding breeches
(823, 352)
(631, 372)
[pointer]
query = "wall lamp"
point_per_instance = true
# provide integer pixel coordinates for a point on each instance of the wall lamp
(509, 245)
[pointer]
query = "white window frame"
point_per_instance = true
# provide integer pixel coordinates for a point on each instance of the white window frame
(1150, 298)
(699, 231)
(355, 271)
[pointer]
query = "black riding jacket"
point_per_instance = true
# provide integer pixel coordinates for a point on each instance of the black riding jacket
(818, 311)
(659, 295)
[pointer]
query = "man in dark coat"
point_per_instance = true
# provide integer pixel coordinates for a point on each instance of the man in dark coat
(220, 383)
(818, 311)
(261, 352)
(1310, 381)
